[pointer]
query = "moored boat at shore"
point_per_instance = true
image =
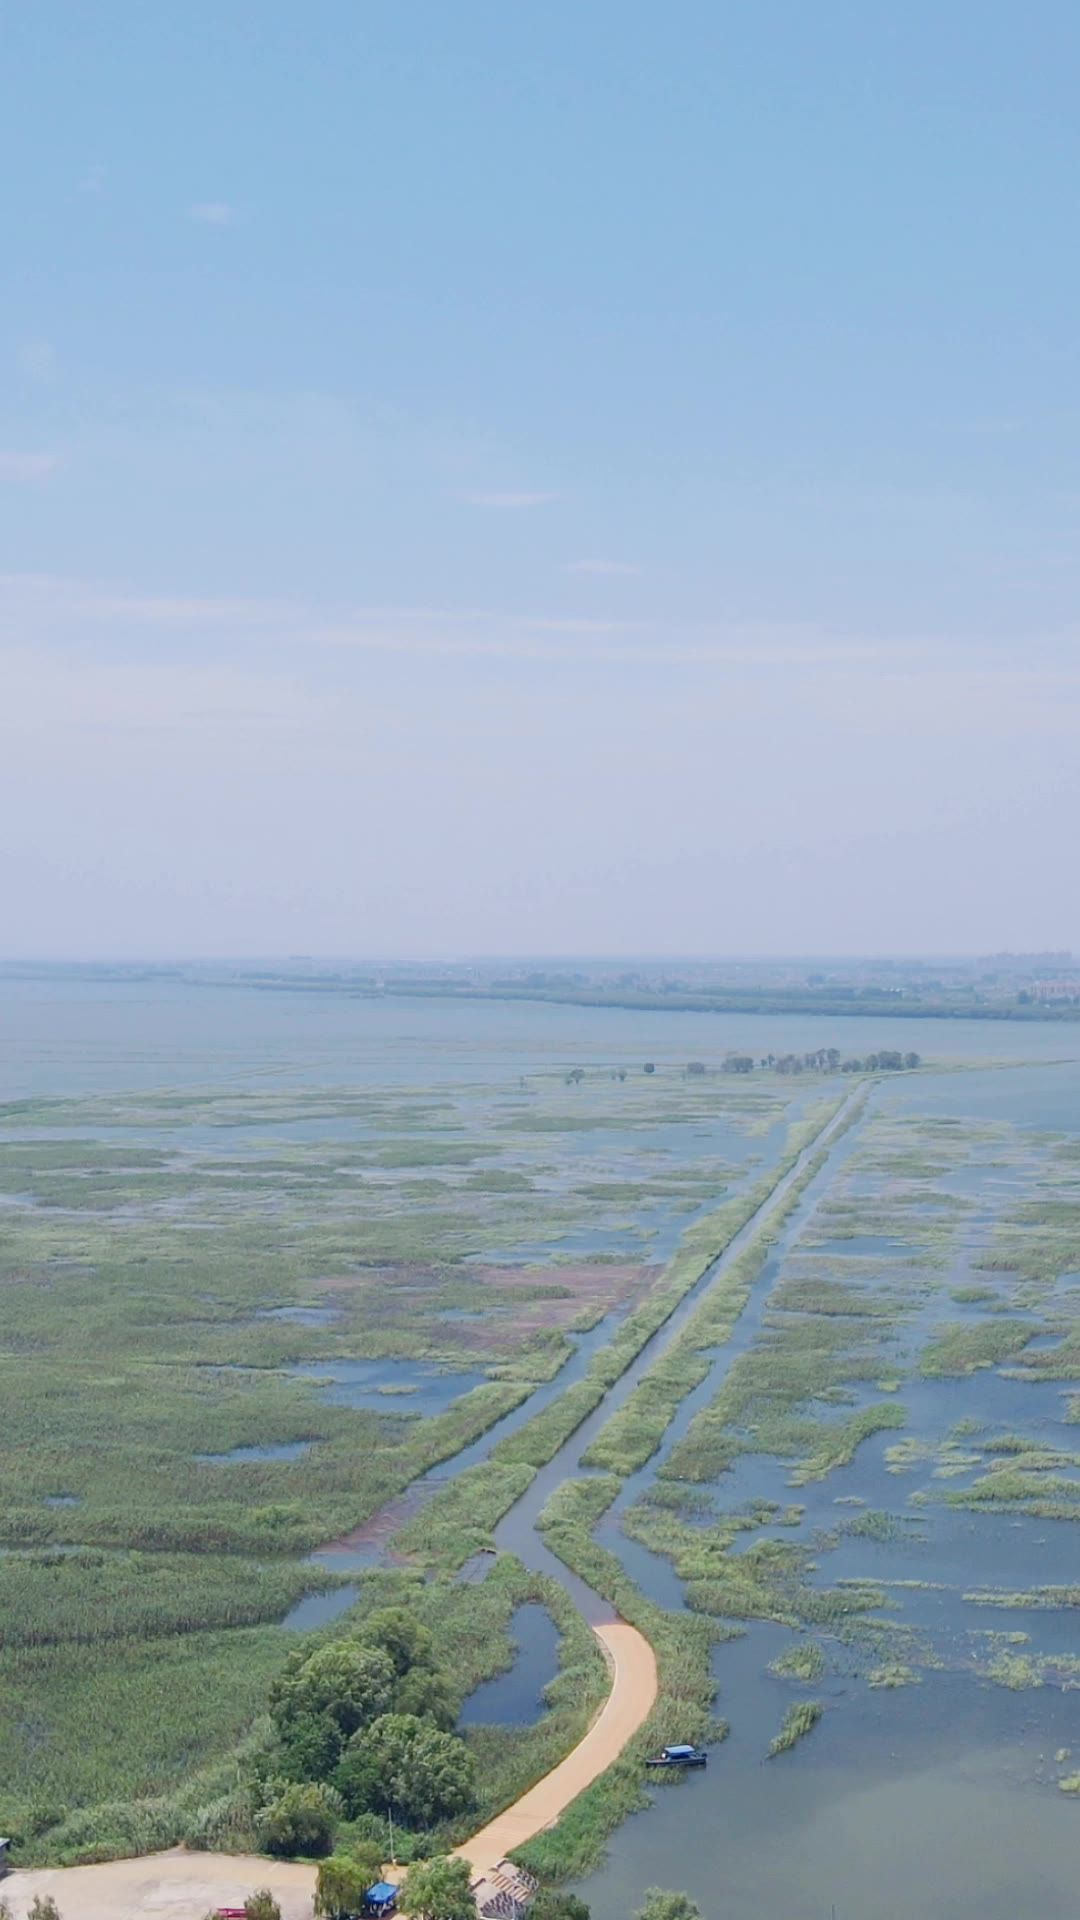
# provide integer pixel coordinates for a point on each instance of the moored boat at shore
(678, 1756)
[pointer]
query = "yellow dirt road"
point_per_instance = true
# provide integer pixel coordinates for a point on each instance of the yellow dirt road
(627, 1707)
(185, 1886)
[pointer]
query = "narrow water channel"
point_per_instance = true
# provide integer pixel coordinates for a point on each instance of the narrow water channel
(517, 1531)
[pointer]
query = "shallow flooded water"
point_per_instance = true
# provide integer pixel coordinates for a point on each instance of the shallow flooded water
(940, 1796)
(387, 1386)
(934, 1804)
(516, 1698)
(284, 1450)
(319, 1609)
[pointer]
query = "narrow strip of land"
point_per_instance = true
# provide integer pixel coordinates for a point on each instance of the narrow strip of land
(627, 1707)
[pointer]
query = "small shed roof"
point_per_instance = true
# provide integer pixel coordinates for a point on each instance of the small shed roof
(381, 1891)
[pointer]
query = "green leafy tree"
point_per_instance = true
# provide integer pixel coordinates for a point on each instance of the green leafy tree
(398, 1634)
(344, 1879)
(261, 1905)
(550, 1904)
(302, 1820)
(350, 1682)
(662, 1904)
(439, 1890)
(407, 1766)
(425, 1694)
(311, 1746)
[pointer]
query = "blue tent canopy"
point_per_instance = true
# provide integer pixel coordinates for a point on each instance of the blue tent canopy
(380, 1893)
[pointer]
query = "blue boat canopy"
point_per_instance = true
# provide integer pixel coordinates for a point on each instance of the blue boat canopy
(381, 1892)
(674, 1750)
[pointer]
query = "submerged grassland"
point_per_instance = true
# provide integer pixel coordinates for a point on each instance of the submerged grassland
(914, 1357)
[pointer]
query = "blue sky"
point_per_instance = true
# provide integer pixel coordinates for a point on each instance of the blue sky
(518, 478)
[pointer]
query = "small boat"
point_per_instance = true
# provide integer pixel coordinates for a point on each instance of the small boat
(678, 1757)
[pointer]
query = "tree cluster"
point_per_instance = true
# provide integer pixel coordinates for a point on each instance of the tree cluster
(439, 1889)
(888, 1062)
(821, 1060)
(343, 1880)
(363, 1726)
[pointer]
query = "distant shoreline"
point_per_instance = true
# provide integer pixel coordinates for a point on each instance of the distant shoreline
(760, 1001)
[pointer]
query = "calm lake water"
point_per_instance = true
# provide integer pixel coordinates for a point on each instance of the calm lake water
(65, 1036)
(516, 1698)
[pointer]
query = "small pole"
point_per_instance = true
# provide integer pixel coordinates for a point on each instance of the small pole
(393, 1856)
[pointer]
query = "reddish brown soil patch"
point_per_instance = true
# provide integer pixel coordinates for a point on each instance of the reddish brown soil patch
(569, 1293)
(592, 1289)
(382, 1525)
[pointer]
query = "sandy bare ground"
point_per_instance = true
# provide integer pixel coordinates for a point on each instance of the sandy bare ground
(163, 1886)
(185, 1886)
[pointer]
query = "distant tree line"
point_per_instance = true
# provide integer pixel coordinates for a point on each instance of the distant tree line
(888, 1062)
(821, 1060)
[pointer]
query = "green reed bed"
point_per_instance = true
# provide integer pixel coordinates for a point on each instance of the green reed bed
(798, 1721)
(87, 1724)
(804, 1661)
(88, 1597)
(459, 1520)
(965, 1346)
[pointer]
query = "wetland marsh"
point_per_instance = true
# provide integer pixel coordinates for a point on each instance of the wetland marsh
(280, 1334)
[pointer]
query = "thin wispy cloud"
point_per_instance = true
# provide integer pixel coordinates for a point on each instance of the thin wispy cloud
(212, 213)
(294, 634)
(27, 466)
(610, 568)
(37, 358)
(507, 500)
(54, 607)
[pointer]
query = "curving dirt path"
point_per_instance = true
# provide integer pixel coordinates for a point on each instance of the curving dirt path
(185, 1886)
(627, 1707)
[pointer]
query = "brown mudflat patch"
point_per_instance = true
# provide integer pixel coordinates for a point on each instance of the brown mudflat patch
(523, 1300)
(563, 1296)
(382, 1525)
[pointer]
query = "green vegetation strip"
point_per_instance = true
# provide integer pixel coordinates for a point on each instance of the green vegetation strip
(798, 1721)
(683, 1647)
(536, 1442)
